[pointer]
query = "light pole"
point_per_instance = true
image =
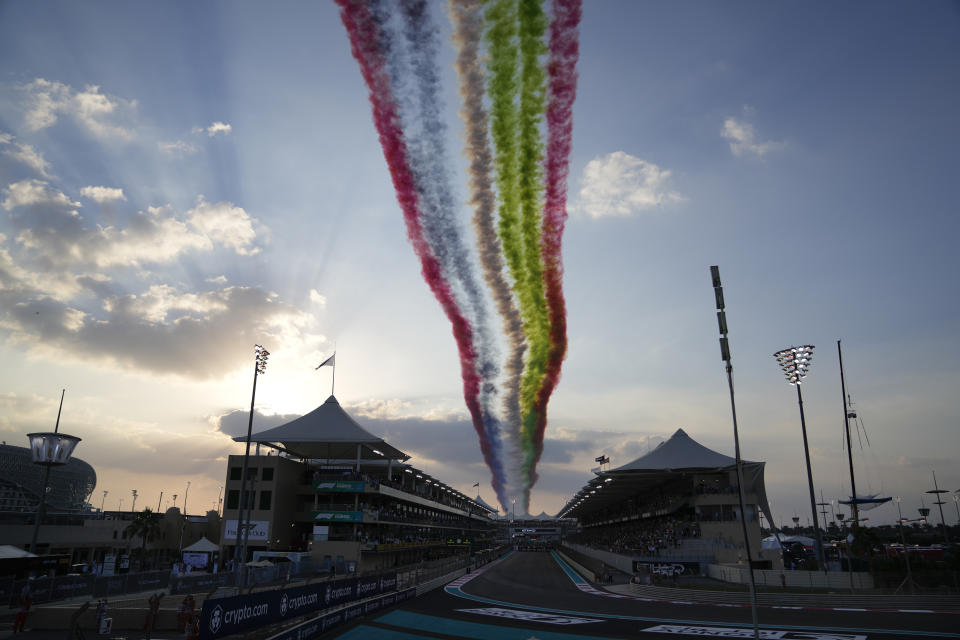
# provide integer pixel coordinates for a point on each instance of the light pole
(936, 491)
(725, 356)
(133, 507)
(795, 362)
(906, 555)
(260, 356)
(49, 450)
(102, 500)
(183, 521)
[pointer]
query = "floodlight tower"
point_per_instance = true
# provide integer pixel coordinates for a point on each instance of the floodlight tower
(795, 362)
(49, 450)
(725, 356)
(260, 356)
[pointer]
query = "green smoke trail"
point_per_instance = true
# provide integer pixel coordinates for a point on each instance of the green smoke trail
(467, 17)
(503, 84)
(515, 35)
(532, 29)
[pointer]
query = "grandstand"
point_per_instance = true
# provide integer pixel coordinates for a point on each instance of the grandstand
(676, 504)
(324, 485)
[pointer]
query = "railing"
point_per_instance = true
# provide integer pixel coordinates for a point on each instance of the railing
(65, 587)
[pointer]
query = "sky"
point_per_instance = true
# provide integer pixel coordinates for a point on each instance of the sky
(180, 181)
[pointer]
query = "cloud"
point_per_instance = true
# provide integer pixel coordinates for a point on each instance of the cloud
(177, 148)
(162, 331)
(102, 194)
(317, 298)
(234, 423)
(25, 154)
(219, 127)
(28, 193)
(619, 184)
(99, 114)
(221, 279)
(743, 139)
(52, 228)
(225, 223)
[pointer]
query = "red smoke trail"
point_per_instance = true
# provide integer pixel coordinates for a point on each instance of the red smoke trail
(562, 90)
(364, 37)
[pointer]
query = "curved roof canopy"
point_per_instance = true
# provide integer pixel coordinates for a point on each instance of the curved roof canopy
(327, 432)
(679, 452)
(678, 456)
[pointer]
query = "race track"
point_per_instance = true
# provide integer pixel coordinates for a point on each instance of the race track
(537, 596)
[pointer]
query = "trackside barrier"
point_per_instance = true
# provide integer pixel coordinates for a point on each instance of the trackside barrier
(436, 583)
(321, 624)
(792, 579)
(236, 614)
(65, 587)
(579, 568)
(202, 582)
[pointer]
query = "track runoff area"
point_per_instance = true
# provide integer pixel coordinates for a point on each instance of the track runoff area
(538, 596)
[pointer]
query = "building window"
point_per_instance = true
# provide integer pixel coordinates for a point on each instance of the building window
(233, 498)
(265, 500)
(236, 473)
(267, 474)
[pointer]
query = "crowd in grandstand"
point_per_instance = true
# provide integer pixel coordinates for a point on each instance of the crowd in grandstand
(642, 537)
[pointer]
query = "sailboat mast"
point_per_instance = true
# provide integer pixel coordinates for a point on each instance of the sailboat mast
(846, 425)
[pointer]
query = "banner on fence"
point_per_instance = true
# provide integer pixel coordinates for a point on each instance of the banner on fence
(225, 616)
(318, 626)
(669, 569)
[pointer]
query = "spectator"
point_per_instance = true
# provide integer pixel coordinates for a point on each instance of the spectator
(23, 609)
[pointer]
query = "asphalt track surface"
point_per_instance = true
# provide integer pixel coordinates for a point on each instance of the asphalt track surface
(536, 596)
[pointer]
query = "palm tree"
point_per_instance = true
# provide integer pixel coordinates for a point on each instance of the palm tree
(145, 526)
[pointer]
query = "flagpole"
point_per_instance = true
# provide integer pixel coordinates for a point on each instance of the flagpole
(333, 376)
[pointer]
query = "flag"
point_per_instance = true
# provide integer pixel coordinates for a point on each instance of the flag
(476, 484)
(331, 361)
(602, 459)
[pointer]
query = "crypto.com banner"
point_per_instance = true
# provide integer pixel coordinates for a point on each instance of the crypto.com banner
(225, 616)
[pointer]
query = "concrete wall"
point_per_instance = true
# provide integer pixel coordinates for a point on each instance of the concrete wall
(797, 579)
(623, 563)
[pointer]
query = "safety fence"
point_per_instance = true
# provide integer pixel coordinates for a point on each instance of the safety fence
(236, 614)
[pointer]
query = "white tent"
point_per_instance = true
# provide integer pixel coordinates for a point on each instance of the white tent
(202, 546)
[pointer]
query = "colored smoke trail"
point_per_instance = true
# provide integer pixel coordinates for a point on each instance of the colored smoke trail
(364, 34)
(562, 73)
(517, 190)
(427, 155)
(468, 23)
(532, 27)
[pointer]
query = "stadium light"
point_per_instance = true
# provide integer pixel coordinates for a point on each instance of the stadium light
(49, 450)
(725, 356)
(795, 362)
(260, 356)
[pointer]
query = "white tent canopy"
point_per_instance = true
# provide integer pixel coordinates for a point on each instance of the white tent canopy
(202, 546)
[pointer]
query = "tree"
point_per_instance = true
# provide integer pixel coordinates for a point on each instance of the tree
(145, 526)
